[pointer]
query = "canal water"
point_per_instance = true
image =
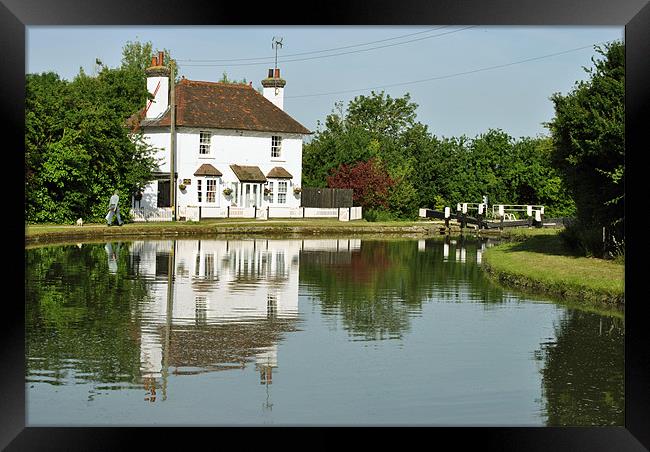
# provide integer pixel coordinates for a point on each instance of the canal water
(306, 332)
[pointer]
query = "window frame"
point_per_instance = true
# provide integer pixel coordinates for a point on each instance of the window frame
(203, 145)
(282, 183)
(276, 146)
(215, 183)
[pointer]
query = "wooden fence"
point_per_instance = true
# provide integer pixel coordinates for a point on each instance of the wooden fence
(325, 198)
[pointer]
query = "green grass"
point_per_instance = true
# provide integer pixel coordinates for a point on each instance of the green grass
(542, 263)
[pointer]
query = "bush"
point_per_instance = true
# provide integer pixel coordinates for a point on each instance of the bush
(587, 240)
(374, 215)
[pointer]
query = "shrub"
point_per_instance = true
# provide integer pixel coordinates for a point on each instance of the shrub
(374, 215)
(587, 240)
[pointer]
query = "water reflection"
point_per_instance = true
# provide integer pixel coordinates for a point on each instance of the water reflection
(137, 316)
(217, 305)
(587, 351)
(378, 286)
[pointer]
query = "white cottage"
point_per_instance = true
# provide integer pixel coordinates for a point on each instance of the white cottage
(237, 152)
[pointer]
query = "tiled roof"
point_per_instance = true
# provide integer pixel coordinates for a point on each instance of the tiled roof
(207, 170)
(226, 106)
(279, 173)
(248, 173)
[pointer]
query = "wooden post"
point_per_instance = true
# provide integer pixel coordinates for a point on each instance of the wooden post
(172, 143)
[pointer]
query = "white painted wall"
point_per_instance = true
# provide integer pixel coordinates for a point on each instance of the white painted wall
(275, 95)
(161, 100)
(227, 147)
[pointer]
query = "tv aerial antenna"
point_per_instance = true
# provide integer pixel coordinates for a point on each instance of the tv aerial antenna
(276, 43)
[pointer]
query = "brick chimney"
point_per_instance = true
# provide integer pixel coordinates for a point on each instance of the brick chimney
(274, 88)
(158, 87)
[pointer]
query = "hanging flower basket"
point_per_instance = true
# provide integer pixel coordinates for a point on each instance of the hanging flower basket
(182, 186)
(297, 190)
(138, 196)
(267, 192)
(227, 191)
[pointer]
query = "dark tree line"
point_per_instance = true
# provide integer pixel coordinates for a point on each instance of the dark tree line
(577, 171)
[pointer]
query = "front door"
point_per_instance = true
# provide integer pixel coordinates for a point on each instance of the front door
(251, 194)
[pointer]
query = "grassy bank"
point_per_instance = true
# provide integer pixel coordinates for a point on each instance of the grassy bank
(53, 233)
(540, 262)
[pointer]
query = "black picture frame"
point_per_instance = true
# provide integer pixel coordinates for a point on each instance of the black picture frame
(15, 15)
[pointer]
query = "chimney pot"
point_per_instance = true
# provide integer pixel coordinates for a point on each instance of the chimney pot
(270, 73)
(154, 61)
(277, 72)
(161, 58)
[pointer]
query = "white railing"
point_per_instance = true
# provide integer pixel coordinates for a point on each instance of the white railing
(355, 213)
(214, 212)
(241, 212)
(285, 212)
(192, 213)
(152, 214)
(315, 212)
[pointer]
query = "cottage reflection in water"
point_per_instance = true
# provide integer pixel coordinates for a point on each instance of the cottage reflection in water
(217, 305)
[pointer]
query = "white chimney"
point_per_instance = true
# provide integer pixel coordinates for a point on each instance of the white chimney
(158, 87)
(274, 88)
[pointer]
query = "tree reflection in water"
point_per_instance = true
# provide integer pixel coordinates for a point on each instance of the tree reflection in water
(587, 351)
(379, 286)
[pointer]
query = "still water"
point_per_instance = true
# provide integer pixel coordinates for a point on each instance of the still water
(306, 332)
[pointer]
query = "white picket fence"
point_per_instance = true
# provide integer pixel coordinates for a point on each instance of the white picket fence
(152, 214)
(194, 213)
(285, 212)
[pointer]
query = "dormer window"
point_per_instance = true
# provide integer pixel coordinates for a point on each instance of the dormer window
(204, 143)
(276, 146)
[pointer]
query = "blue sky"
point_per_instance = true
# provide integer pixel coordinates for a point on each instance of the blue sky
(460, 97)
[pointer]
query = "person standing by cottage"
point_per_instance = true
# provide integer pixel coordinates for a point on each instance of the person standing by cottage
(114, 209)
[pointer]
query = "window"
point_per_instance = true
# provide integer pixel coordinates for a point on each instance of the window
(210, 187)
(276, 146)
(204, 143)
(211, 190)
(282, 192)
(270, 188)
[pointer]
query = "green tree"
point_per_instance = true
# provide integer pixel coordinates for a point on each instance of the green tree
(78, 146)
(588, 133)
(372, 127)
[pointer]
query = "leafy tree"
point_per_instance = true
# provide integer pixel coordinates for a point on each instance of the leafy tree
(369, 181)
(78, 146)
(588, 133)
(428, 171)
